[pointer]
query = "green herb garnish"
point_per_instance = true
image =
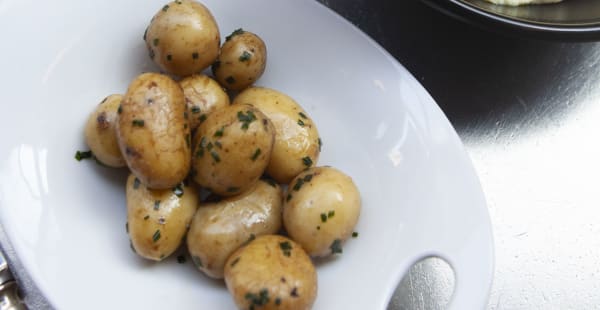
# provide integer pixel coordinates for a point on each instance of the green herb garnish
(165, 8)
(156, 235)
(127, 227)
(320, 144)
(120, 109)
(246, 118)
(299, 184)
(300, 123)
(323, 217)
(146, 217)
(137, 123)
(202, 118)
(156, 204)
(80, 155)
(307, 161)
(277, 301)
(245, 56)
(286, 247)
(219, 133)
(289, 197)
(260, 299)
(302, 115)
(256, 154)
(155, 41)
(354, 234)
(234, 33)
(336, 246)
(234, 262)
(195, 109)
(330, 214)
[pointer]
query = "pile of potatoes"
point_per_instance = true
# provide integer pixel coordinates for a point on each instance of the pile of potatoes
(266, 207)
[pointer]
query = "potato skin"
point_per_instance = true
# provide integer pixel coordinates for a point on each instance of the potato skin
(203, 95)
(321, 209)
(232, 149)
(183, 38)
(271, 272)
(242, 60)
(297, 142)
(222, 227)
(157, 220)
(100, 132)
(153, 131)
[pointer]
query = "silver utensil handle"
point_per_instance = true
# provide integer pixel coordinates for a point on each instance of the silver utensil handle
(9, 297)
(9, 290)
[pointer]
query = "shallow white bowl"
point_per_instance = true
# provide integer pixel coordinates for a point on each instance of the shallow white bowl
(66, 219)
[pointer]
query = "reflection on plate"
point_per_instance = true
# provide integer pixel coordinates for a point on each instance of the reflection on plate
(66, 219)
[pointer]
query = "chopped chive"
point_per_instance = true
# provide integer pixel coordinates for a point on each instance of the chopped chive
(137, 123)
(320, 144)
(209, 146)
(330, 214)
(271, 182)
(202, 118)
(156, 235)
(234, 262)
(336, 246)
(245, 56)
(277, 301)
(246, 118)
(300, 123)
(146, 217)
(188, 138)
(289, 197)
(286, 247)
(256, 154)
(120, 109)
(308, 177)
(155, 41)
(323, 217)
(307, 161)
(299, 184)
(80, 155)
(219, 133)
(354, 234)
(156, 204)
(127, 227)
(260, 299)
(234, 33)
(165, 8)
(302, 115)
(218, 144)
(195, 109)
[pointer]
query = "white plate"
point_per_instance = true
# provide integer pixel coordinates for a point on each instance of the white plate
(66, 219)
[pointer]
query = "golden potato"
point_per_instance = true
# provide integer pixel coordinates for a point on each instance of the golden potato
(202, 96)
(100, 133)
(321, 209)
(271, 272)
(183, 38)
(297, 142)
(242, 60)
(157, 220)
(153, 131)
(232, 149)
(222, 227)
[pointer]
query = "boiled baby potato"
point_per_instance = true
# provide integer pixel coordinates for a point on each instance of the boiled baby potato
(242, 60)
(202, 96)
(183, 38)
(100, 133)
(153, 131)
(220, 228)
(297, 142)
(321, 208)
(271, 272)
(157, 220)
(232, 149)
